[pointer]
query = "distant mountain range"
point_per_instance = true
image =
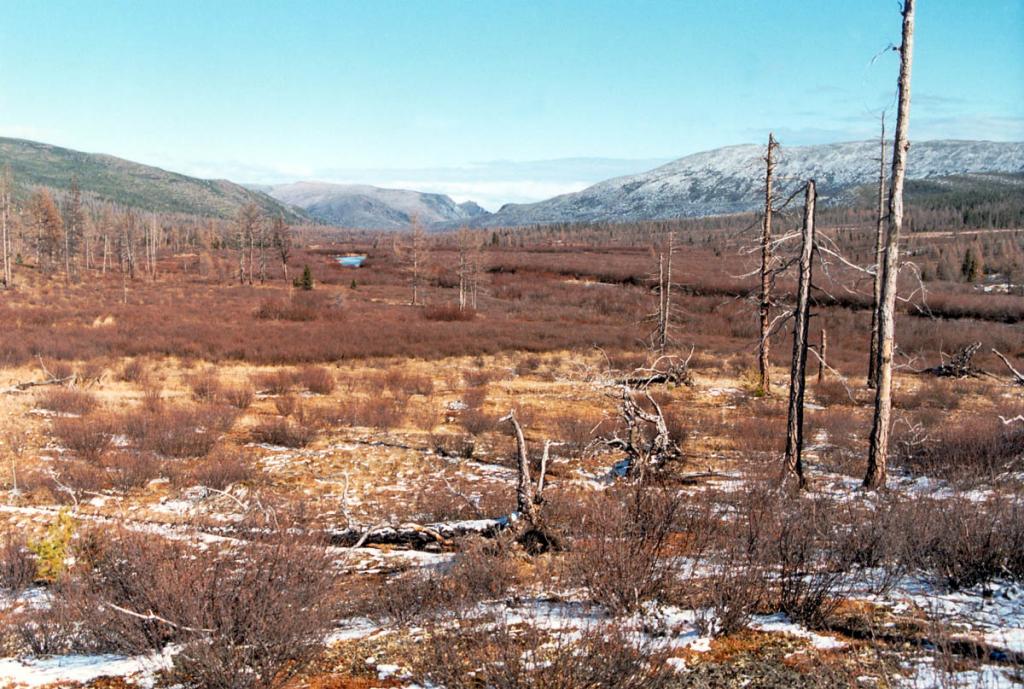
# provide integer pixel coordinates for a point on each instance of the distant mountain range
(367, 207)
(132, 184)
(724, 180)
(731, 180)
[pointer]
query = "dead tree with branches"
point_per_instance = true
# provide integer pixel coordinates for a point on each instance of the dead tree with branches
(798, 369)
(643, 434)
(878, 448)
(767, 261)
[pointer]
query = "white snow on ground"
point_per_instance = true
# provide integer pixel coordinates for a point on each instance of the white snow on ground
(779, 623)
(38, 672)
(924, 675)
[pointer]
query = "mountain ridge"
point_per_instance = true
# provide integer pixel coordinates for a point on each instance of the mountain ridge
(730, 180)
(129, 183)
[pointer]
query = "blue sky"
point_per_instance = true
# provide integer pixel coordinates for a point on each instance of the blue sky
(475, 98)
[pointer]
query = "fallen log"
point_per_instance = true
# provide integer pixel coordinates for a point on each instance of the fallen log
(21, 387)
(418, 536)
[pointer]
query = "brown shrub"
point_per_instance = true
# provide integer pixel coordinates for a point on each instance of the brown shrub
(247, 619)
(275, 382)
(283, 432)
(218, 471)
(178, 431)
(17, 563)
(87, 438)
(129, 470)
(577, 431)
(66, 401)
(617, 547)
(382, 413)
(316, 379)
(475, 421)
(134, 371)
(447, 312)
(974, 450)
(239, 396)
(500, 655)
(205, 386)
(286, 405)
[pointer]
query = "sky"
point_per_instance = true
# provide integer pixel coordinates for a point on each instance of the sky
(487, 100)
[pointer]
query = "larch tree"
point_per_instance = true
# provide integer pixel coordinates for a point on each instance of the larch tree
(74, 222)
(878, 448)
(48, 227)
(281, 236)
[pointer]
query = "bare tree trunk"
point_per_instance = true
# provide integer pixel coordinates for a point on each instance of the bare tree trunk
(665, 293)
(5, 211)
(822, 355)
(879, 255)
(526, 505)
(879, 446)
(801, 317)
(763, 365)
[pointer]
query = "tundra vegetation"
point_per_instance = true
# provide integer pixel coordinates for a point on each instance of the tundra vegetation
(542, 457)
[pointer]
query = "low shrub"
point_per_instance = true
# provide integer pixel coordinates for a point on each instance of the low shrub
(317, 379)
(447, 312)
(66, 401)
(87, 438)
(283, 432)
(179, 431)
(18, 565)
(239, 396)
(247, 618)
(617, 547)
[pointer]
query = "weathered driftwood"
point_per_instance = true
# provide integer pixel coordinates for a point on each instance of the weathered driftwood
(960, 365)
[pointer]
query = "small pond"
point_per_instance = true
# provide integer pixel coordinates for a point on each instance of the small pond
(351, 261)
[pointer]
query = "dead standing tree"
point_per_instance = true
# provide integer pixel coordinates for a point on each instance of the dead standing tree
(529, 529)
(664, 315)
(879, 255)
(416, 245)
(5, 214)
(878, 449)
(767, 260)
(798, 370)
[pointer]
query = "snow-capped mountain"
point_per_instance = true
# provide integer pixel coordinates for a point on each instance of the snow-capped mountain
(731, 179)
(364, 206)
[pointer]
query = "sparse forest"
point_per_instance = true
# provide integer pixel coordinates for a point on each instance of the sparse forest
(778, 449)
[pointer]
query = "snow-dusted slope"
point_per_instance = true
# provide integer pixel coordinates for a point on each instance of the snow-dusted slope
(730, 180)
(364, 206)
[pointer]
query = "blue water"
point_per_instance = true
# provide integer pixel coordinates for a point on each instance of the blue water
(351, 261)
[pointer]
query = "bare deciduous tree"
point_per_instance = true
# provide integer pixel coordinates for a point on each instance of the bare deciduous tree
(879, 254)
(416, 245)
(879, 443)
(801, 318)
(767, 261)
(5, 214)
(281, 236)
